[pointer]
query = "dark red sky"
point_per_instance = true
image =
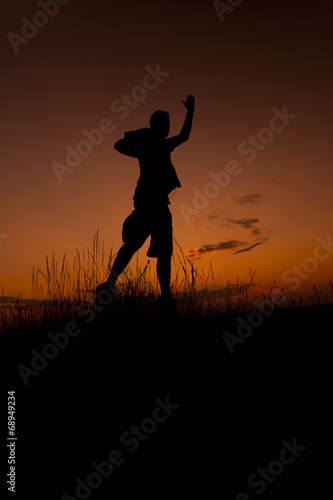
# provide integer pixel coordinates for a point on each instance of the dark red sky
(265, 54)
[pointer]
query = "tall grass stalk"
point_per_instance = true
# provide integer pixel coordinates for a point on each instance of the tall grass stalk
(58, 289)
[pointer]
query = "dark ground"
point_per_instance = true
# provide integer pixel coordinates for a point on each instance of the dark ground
(235, 410)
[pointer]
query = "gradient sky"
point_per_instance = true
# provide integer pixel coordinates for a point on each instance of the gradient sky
(264, 55)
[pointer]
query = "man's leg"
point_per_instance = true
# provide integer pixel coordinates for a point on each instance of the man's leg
(162, 247)
(163, 269)
(123, 258)
(134, 235)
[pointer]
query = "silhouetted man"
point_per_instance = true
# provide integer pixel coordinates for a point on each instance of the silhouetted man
(157, 180)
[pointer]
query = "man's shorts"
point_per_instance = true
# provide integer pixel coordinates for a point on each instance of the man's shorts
(155, 222)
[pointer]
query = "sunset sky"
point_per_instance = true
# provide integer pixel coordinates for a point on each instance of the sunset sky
(265, 59)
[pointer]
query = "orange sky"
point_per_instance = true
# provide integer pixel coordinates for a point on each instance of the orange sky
(264, 56)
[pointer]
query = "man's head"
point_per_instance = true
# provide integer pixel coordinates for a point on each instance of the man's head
(160, 124)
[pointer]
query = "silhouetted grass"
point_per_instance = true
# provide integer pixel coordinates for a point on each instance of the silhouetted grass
(59, 289)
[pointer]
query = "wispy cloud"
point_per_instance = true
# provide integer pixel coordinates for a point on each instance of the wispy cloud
(247, 249)
(224, 246)
(255, 235)
(234, 246)
(216, 213)
(251, 198)
(256, 231)
(244, 222)
(247, 223)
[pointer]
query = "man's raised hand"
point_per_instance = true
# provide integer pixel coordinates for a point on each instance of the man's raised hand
(189, 104)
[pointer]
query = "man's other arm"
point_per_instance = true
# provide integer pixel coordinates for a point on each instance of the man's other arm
(126, 148)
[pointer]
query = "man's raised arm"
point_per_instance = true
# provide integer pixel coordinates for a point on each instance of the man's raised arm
(186, 129)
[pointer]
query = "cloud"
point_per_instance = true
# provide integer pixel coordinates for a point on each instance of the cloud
(257, 235)
(219, 247)
(251, 198)
(215, 214)
(227, 246)
(245, 222)
(256, 231)
(247, 249)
